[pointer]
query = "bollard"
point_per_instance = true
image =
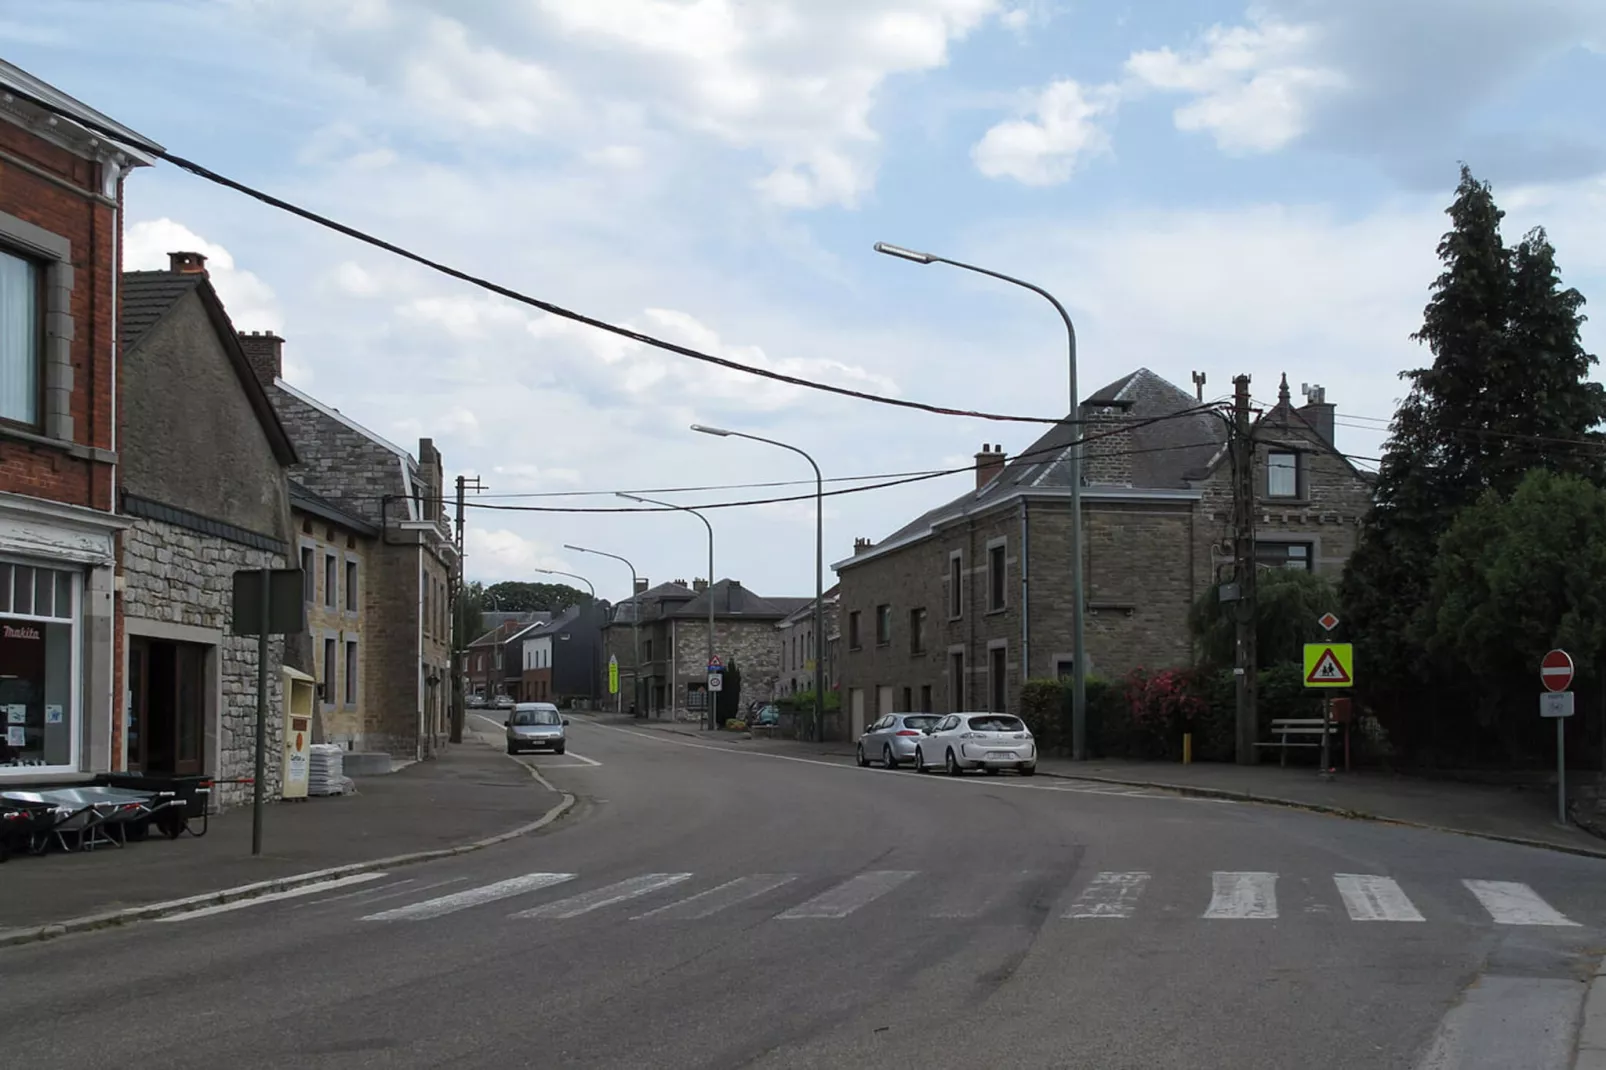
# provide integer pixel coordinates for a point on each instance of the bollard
(1187, 748)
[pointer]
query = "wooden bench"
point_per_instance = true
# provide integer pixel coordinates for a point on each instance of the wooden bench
(1301, 727)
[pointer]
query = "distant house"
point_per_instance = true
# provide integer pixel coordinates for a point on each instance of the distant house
(562, 658)
(795, 633)
(404, 649)
(675, 644)
(956, 609)
(204, 458)
(495, 659)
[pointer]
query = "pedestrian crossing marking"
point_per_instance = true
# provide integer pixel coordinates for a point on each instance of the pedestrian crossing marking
(1372, 898)
(715, 899)
(851, 894)
(606, 896)
(1511, 903)
(1242, 895)
(471, 897)
(1109, 895)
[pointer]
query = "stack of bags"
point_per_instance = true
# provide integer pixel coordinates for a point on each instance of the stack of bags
(326, 770)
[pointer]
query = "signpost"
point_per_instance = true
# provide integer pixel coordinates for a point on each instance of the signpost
(1329, 665)
(1556, 674)
(716, 681)
(613, 674)
(267, 601)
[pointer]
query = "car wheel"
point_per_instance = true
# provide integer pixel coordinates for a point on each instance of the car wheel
(1029, 770)
(886, 757)
(511, 749)
(953, 765)
(860, 758)
(920, 760)
(559, 749)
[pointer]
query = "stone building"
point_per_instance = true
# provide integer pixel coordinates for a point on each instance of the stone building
(957, 608)
(334, 549)
(675, 644)
(404, 654)
(61, 223)
(203, 486)
(795, 633)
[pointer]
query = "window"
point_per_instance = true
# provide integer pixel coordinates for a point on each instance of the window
(996, 576)
(39, 658)
(908, 700)
(917, 631)
(853, 631)
(1282, 475)
(21, 348)
(997, 678)
(309, 578)
(883, 625)
(328, 680)
(1064, 668)
(925, 699)
(1295, 555)
(331, 582)
(351, 586)
(351, 672)
(956, 680)
(647, 650)
(956, 590)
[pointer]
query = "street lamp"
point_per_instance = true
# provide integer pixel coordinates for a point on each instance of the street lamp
(712, 715)
(592, 590)
(1078, 639)
(819, 567)
(635, 617)
(590, 587)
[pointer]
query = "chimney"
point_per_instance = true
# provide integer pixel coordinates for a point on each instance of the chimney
(1316, 411)
(186, 263)
(641, 584)
(861, 545)
(989, 462)
(265, 351)
(699, 585)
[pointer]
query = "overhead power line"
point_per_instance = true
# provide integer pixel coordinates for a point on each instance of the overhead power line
(548, 307)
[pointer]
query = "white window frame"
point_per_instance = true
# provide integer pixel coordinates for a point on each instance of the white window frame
(1292, 469)
(74, 711)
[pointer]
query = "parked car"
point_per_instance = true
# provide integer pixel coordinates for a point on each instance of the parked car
(766, 716)
(505, 702)
(533, 725)
(476, 702)
(990, 741)
(891, 740)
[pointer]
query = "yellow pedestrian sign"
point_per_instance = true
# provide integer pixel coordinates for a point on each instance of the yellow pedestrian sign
(1329, 665)
(613, 675)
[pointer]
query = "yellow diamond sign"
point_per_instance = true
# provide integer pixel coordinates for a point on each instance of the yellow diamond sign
(1329, 665)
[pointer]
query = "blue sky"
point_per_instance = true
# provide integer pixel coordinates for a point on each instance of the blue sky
(1207, 186)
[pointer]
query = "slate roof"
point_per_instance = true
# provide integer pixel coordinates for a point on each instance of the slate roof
(624, 611)
(147, 297)
(731, 599)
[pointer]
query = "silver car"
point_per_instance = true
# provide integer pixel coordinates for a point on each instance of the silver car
(891, 740)
(990, 741)
(534, 725)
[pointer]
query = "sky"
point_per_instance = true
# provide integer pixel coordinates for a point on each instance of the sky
(1205, 186)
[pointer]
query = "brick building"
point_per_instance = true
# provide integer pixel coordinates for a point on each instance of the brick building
(61, 197)
(406, 635)
(203, 462)
(795, 633)
(956, 609)
(674, 643)
(495, 659)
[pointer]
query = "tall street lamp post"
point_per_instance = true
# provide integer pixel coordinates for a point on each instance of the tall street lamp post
(635, 618)
(1078, 639)
(819, 567)
(712, 721)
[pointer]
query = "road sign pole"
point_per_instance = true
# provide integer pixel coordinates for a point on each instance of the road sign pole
(261, 770)
(1327, 732)
(1561, 770)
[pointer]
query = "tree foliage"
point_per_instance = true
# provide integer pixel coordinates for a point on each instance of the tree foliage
(514, 596)
(1288, 604)
(1506, 392)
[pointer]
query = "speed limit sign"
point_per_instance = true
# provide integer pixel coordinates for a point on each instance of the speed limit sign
(716, 681)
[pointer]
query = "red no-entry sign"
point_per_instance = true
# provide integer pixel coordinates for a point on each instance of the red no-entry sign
(1556, 671)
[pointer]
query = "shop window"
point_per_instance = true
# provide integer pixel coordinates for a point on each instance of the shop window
(38, 658)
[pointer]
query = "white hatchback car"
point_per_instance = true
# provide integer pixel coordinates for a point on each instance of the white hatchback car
(990, 741)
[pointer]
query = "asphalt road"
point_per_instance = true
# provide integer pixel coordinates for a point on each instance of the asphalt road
(702, 907)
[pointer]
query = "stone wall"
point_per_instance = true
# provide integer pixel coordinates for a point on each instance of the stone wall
(176, 576)
(749, 644)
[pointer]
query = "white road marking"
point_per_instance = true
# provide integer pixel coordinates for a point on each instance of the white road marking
(1372, 898)
(1109, 895)
(608, 895)
(1511, 903)
(979, 895)
(471, 897)
(293, 893)
(1243, 895)
(360, 892)
(851, 894)
(704, 904)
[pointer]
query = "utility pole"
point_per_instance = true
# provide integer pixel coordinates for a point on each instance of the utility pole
(1244, 567)
(459, 616)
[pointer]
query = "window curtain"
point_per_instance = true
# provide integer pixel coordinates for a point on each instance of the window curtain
(19, 340)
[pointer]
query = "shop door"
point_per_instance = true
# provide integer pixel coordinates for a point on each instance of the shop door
(167, 685)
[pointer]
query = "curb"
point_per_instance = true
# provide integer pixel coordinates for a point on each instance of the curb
(149, 911)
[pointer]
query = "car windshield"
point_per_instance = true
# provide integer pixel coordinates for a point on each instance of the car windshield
(528, 717)
(997, 723)
(919, 722)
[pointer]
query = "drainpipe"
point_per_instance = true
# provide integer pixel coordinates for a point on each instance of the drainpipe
(1025, 604)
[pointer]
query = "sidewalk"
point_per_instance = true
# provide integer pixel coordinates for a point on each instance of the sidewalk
(469, 793)
(1503, 813)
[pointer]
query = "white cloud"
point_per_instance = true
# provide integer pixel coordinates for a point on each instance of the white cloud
(1044, 147)
(499, 553)
(1252, 86)
(251, 303)
(481, 85)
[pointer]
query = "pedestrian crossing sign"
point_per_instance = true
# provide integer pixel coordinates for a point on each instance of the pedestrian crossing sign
(1329, 665)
